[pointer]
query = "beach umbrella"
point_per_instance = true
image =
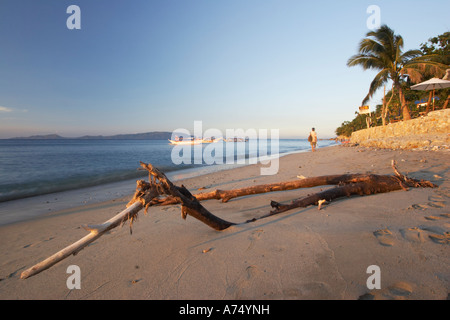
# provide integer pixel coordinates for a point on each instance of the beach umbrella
(432, 84)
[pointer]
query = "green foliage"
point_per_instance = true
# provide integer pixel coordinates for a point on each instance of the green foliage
(358, 123)
(440, 46)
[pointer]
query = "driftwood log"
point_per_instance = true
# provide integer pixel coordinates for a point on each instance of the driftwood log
(150, 193)
(373, 184)
(227, 195)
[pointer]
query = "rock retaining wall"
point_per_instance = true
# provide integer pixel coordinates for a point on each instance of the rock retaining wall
(430, 131)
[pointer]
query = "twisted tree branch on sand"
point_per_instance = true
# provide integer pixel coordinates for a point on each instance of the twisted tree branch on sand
(148, 193)
(226, 195)
(189, 204)
(373, 185)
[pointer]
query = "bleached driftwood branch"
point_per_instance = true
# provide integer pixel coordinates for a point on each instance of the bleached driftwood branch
(95, 232)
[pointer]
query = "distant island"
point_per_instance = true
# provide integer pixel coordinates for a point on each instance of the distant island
(157, 135)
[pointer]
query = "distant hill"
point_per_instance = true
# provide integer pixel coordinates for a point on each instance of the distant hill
(44, 137)
(157, 135)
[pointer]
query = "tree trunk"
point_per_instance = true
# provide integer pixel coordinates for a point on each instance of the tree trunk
(385, 110)
(389, 102)
(404, 106)
(446, 102)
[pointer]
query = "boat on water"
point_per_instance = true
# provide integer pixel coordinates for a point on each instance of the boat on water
(194, 141)
(211, 140)
(185, 142)
(236, 140)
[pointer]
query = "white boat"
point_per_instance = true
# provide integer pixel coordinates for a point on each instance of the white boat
(212, 140)
(185, 142)
(236, 140)
(194, 141)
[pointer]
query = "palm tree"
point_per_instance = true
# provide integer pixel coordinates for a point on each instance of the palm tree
(382, 50)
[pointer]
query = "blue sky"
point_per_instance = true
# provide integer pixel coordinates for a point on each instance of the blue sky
(141, 65)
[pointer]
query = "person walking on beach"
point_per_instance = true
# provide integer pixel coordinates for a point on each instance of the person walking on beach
(313, 139)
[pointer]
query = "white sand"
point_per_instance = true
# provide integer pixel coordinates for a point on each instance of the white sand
(300, 254)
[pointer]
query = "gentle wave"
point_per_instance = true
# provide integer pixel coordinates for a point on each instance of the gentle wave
(14, 191)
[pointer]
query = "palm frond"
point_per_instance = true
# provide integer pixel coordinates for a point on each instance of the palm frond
(372, 46)
(380, 79)
(411, 54)
(387, 38)
(425, 65)
(414, 74)
(366, 61)
(439, 58)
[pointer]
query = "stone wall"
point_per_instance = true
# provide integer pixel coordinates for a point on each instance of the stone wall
(430, 131)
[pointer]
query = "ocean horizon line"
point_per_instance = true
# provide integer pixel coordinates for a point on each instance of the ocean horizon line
(150, 135)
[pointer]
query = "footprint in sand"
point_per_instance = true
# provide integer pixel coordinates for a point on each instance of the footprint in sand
(419, 206)
(398, 291)
(384, 237)
(243, 282)
(413, 235)
(437, 234)
(253, 237)
(441, 239)
(435, 201)
(436, 204)
(419, 234)
(443, 192)
(441, 216)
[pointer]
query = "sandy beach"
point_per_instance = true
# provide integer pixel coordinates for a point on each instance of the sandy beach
(303, 253)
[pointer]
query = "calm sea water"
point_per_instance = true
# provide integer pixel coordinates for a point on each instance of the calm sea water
(35, 167)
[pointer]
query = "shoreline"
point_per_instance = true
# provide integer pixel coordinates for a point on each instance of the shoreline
(53, 179)
(24, 209)
(304, 253)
